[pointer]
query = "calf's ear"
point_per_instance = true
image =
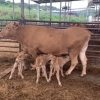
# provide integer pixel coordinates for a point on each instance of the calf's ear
(16, 24)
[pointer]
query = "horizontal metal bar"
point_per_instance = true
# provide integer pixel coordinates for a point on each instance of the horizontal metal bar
(95, 34)
(94, 57)
(95, 40)
(94, 51)
(94, 46)
(10, 46)
(10, 51)
(8, 41)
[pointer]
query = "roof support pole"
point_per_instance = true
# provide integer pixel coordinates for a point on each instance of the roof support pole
(68, 12)
(29, 8)
(96, 13)
(65, 12)
(13, 10)
(50, 10)
(45, 10)
(38, 11)
(60, 11)
(22, 9)
(99, 10)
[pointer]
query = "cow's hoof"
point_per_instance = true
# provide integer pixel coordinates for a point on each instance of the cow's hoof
(82, 75)
(67, 73)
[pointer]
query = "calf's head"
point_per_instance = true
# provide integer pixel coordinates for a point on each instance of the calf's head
(9, 30)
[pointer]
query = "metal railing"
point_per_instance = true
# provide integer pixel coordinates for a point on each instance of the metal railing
(94, 44)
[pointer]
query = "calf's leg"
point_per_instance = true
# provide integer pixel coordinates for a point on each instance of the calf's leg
(51, 72)
(20, 69)
(44, 72)
(13, 69)
(58, 76)
(38, 73)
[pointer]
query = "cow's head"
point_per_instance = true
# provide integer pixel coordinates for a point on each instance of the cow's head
(9, 30)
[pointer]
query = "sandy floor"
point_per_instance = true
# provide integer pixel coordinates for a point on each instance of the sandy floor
(74, 87)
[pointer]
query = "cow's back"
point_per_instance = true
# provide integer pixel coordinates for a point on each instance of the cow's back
(56, 41)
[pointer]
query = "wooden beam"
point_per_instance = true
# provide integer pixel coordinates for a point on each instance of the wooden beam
(5, 72)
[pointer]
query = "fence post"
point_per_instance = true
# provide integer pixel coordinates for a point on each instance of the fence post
(20, 47)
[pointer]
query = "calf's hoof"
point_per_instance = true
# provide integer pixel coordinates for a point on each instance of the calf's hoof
(10, 78)
(60, 84)
(49, 80)
(22, 77)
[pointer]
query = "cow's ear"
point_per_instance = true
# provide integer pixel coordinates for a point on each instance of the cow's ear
(16, 24)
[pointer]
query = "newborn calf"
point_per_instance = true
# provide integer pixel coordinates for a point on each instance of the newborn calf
(40, 62)
(20, 63)
(57, 64)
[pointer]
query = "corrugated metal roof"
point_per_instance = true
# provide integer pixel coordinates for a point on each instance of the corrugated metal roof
(48, 1)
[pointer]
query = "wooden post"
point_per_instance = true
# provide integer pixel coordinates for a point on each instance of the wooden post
(20, 49)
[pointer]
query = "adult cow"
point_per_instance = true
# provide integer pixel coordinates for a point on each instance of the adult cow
(34, 39)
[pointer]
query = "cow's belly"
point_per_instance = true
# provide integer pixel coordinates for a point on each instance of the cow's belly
(53, 50)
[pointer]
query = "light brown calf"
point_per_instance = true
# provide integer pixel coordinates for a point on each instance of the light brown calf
(20, 63)
(40, 62)
(57, 64)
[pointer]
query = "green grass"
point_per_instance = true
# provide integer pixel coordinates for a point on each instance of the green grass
(6, 12)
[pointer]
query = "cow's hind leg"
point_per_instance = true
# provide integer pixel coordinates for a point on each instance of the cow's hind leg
(74, 62)
(83, 59)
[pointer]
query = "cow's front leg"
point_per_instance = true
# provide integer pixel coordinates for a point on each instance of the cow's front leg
(74, 62)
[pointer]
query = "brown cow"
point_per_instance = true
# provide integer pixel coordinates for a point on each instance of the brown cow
(37, 39)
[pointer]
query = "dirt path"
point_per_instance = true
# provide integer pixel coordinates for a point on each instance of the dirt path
(74, 87)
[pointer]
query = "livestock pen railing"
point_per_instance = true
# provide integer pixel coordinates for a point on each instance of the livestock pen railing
(94, 44)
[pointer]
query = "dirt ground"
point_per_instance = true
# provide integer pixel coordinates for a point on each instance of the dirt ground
(74, 87)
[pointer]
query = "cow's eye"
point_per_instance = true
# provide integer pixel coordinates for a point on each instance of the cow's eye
(8, 28)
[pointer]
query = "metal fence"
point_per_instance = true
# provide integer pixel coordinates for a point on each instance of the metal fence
(94, 44)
